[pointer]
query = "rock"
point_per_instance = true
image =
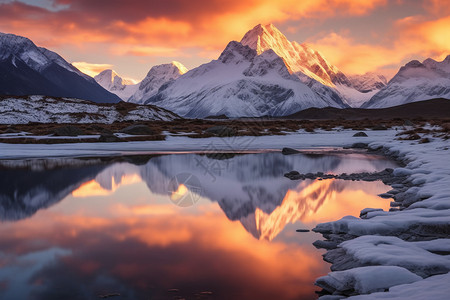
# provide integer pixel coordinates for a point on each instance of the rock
(359, 146)
(408, 123)
(109, 138)
(379, 127)
(138, 130)
(105, 296)
(288, 151)
(412, 137)
(319, 244)
(364, 213)
(360, 134)
(293, 175)
(222, 131)
(395, 204)
(424, 141)
(11, 130)
(68, 131)
(385, 195)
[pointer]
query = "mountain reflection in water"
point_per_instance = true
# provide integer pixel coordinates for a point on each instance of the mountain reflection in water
(93, 228)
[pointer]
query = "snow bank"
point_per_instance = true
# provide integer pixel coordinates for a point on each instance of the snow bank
(366, 280)
(414, 236)
(435, 287)
(22, 110)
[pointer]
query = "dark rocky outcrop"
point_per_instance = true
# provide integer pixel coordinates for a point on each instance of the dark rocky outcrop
(68, 131)
(138, 130)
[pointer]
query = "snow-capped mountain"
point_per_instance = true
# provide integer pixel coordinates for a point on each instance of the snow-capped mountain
(415, 81)
(307, 64)
(240, 83)
(368, 82)
(298, 58)
(111, 81)
(156, 77)
(27, 69)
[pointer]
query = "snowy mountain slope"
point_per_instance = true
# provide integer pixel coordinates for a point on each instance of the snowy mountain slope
(362, 88)
(28, 69)
(240, 83)
(312, 68)
(156, 77)
(415, 81)
(22, 110)
(111, 81)
(367, 82)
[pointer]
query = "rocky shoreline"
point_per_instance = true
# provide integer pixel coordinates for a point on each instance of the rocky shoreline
(354, 245)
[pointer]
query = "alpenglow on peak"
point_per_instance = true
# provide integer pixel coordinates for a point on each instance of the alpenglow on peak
(299, 58)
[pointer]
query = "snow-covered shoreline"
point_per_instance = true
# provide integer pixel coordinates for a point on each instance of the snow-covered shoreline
(414, 239)
(401, 251)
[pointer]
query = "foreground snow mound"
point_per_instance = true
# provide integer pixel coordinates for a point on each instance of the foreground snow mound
(40, 109)
(366, 280)
(435, 287)
(415, 82)
(418, 257)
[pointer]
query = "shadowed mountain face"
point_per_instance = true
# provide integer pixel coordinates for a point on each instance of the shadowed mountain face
(26, 69)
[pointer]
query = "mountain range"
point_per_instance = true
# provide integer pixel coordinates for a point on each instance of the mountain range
(26, 69)
(263, 74)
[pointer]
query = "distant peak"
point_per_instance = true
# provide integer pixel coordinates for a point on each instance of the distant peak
(414, 64)
(180, 67)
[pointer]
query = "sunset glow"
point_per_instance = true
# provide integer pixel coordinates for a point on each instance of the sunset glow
(132, 36)
(93, 187)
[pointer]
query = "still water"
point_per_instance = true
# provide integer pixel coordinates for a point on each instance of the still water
(185, 226)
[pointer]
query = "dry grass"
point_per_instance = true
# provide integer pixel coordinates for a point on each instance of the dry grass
(196, 128)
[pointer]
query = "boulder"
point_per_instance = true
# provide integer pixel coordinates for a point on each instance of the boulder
(221, 130)
(109, 138)
(68, 131)
(288, 151)
(360, 134)
(359, 146)
(138, 130)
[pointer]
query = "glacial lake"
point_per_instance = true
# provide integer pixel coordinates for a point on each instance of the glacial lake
(179, 226)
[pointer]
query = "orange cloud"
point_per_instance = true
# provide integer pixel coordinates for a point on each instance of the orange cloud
(437, 7)
(177, 28)
(411, 38)
(173, 23)
(428, 38)
(91, 69)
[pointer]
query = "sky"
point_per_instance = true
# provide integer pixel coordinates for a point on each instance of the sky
(131, 36)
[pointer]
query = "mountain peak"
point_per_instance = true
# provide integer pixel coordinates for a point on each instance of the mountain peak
(157, 77)
(180, 67)
(264, 37)
(298, 58)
